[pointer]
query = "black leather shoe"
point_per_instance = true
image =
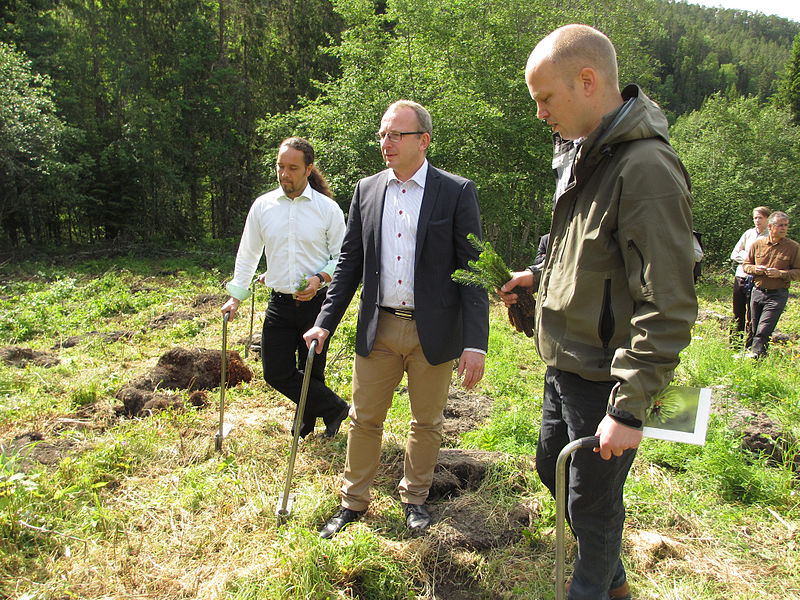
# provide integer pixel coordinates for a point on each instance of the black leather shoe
(337, 522)
(332, 428)
(305, 429)
(418, 519)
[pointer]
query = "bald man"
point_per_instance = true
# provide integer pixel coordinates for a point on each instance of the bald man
(616, 298)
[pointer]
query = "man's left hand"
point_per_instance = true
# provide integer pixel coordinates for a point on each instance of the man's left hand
(471, 365)
(615, 438)
(311, 289)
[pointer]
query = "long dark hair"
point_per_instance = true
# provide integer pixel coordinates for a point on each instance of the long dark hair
(315, 179)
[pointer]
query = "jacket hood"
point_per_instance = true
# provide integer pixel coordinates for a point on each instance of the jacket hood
(638, 117)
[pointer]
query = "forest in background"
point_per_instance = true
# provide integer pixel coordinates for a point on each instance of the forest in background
(142, 121)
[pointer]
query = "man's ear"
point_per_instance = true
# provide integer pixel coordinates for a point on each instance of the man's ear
(588, 80)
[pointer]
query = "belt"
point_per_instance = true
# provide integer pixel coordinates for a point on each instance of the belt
(400, 313)
(289, 297)
(770, 291)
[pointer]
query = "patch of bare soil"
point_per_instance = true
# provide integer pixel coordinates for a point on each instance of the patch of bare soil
(463, 522)
(19, 357)
(31, 448)
(184, 369)
(169, 318)
(210, 299)
(464, 412)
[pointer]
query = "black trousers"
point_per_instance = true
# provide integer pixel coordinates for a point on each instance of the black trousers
(766, 307)
(572, 408)
(741, 328)
(284, 354)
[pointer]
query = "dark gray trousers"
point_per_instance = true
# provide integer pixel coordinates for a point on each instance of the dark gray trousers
(573, 408)
(766, 307)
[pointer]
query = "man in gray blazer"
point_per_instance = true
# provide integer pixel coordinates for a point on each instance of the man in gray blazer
(406, 233)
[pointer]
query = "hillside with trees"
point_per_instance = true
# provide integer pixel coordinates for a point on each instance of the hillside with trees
(157, 122)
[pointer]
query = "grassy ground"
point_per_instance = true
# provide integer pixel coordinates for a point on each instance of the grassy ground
(144, 508)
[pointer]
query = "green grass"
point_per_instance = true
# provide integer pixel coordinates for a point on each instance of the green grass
(146, 508)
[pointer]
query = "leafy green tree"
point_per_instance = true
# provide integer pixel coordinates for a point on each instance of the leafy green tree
(740, 154)
(790, 84)
(465, 62)
(29, 134)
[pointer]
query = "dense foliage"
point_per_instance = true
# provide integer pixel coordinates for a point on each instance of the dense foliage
(172, 111)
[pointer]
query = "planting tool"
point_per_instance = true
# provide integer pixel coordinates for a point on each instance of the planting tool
(286, 500)
(224, 428)
(591, 441)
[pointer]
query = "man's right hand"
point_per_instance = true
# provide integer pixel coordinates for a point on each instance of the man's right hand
(316, 333)
(518, 278)
(231, 306)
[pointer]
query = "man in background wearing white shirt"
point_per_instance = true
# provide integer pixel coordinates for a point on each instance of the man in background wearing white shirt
(741, 330)
(299, 228)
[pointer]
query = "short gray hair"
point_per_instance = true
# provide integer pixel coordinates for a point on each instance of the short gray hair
(778, 214)
(423, 116)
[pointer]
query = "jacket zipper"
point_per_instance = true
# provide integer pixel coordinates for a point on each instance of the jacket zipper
(606, 324)
(632, 246)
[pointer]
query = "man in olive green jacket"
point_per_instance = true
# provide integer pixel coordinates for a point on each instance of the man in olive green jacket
(616, 298)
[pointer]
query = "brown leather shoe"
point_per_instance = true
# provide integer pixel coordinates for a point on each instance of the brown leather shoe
(622, 592)
(337, 522)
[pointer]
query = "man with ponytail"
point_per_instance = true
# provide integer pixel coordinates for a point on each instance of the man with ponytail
(299, 229)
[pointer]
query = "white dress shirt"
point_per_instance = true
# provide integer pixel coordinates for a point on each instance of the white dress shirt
(399, 238)
(742, 248)
(299, 238)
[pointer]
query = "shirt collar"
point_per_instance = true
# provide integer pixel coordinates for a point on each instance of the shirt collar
(419, 177)
(306, 193)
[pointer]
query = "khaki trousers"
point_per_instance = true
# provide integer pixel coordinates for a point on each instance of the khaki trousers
(375, 378)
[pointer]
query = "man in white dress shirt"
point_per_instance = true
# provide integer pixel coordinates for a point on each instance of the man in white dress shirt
(299, 228)
(741, 329)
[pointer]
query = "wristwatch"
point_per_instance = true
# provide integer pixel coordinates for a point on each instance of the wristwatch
(322, 282)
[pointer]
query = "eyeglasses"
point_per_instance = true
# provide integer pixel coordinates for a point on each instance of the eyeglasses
(394, 136)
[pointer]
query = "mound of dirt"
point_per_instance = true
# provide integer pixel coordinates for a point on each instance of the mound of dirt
(185, 369)
(19, 357)
(762, 435)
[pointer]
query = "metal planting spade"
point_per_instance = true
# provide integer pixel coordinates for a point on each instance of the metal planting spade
(286, 500)
(224, 428)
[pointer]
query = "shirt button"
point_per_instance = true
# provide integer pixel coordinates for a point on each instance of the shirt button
(404, 191)
(403, 303)
(400, 212)
(399, 235)
(398, 258)
(399, 281)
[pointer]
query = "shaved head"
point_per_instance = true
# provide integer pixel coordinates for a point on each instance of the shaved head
(575, 47)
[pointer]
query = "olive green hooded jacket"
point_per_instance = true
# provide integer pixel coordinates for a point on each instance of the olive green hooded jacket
(616, 297)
